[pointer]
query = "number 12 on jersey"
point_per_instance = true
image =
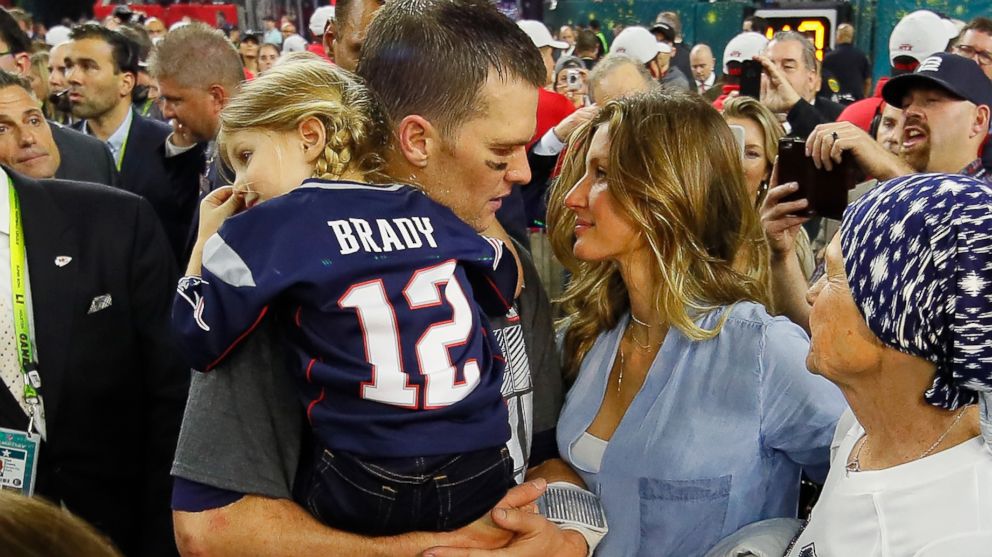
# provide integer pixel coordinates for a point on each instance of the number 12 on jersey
(377, 317)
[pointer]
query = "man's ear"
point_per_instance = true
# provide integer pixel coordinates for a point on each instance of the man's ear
(218, 96)
(981, 122)
(313, 136)
(128, 81)
(330, 36)
(416, 140)
(23, 61)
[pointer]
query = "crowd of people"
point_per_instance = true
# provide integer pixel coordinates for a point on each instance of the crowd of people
(341, 237)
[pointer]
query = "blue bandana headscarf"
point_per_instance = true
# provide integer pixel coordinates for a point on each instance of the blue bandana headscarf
(918, 256)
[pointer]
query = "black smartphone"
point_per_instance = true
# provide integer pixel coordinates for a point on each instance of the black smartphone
(825, 189)
(751, 78)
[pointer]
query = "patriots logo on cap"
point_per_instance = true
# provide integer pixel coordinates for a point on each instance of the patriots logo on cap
(735, 54)
(906, 47)
(931, 64)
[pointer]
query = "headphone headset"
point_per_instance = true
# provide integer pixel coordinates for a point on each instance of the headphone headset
(876, 121)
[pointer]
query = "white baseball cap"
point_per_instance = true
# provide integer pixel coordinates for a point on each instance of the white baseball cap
(920, 34)
(294, 43)
(744, 46)
(319, 19)
(57, 35)
(540, 35)
(639, 43)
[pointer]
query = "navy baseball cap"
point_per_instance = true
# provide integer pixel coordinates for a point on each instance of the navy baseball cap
(957, 75)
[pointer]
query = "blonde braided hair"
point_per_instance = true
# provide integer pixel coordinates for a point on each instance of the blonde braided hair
(289, 93)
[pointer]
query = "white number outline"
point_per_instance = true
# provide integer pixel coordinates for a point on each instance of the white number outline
(423, 290)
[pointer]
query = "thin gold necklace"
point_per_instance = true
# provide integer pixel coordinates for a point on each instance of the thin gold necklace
(855, 465)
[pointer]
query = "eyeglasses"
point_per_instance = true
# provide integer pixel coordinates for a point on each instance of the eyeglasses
(983, 57)
(7, 52)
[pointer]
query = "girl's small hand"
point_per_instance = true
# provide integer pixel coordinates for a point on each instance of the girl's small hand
(216, 207)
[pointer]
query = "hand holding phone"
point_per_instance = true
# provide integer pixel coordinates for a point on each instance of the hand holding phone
(825, 190)
(751, 79)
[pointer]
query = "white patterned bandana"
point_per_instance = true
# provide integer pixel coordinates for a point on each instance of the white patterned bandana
(918, 256)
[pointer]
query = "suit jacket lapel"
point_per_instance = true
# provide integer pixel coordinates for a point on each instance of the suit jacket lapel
(48, 235)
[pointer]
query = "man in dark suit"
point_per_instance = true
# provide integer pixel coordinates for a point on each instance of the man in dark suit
(101, 69)
(84, 158)
(101, 283)
(40, 149)
(791, 80)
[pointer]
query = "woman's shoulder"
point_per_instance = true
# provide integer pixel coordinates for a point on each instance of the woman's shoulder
(752, 315)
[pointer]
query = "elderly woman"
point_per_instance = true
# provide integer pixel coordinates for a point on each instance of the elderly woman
(902, 323)
(692, 412)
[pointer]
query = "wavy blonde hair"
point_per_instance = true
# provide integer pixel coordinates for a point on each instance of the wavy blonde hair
(289, 93)
(675, 172)
(748, 108)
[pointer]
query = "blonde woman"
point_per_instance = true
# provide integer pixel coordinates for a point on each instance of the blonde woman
(761, 134)
(692, 412)
(377, 291)
(39, 82)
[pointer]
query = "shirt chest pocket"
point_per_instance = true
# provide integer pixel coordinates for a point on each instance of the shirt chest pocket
(682, 517)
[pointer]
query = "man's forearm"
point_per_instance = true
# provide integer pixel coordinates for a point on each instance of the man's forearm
(264, 527)
(789, 289)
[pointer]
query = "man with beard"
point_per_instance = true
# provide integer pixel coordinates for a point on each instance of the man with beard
(101, 69)
(946, 103)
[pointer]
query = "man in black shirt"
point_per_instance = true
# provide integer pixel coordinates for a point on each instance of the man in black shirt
(849, 66)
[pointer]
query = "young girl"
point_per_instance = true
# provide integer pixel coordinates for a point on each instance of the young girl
(377, 290)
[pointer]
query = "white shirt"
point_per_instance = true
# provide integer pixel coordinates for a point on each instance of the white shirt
(5, 284)
(116, 139)
(914, 509)
(706, 85)
(549, 145)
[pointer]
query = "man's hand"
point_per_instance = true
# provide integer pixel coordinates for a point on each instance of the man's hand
(486, 534)
(563, 131)
(181, 136)
(534, 536)
(776, 91)
(828, 141)
(779, 220)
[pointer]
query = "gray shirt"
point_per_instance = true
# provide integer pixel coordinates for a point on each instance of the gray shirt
(675, 79)
(243, 426)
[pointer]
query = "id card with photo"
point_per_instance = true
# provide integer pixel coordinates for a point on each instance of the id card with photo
(18, 460)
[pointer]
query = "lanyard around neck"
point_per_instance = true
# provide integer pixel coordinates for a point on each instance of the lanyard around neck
(22, 316)
(120, 156)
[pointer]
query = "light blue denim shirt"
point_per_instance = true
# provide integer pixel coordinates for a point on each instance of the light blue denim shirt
(716, 438)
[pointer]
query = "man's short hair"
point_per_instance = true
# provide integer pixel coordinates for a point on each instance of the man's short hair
(408, 39)
(809, 51)
(12, 34)
(125, 51)
(610, 63)
(8, 79)
(673, 19)
(197, 56)
(758, 23)
(586, 40)
(980, 24)
(138, 36)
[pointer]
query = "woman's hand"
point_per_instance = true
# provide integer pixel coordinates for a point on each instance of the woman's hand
(778, 219)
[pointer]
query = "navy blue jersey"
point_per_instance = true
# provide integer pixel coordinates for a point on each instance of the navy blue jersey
(378, 290)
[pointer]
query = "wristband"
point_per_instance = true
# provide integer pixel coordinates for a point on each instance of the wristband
(573, 508)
